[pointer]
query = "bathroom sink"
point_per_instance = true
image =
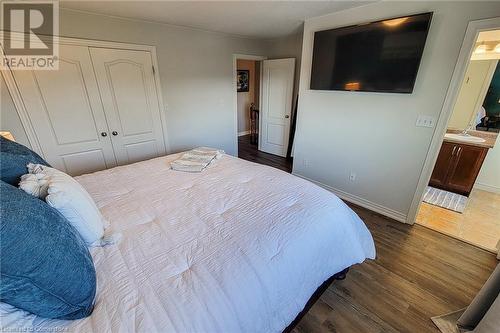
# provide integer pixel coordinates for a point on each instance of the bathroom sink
(464, 137)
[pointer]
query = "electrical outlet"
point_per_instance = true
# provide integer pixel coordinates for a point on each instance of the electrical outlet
(352, 176)
(305, 163)
(425, 121)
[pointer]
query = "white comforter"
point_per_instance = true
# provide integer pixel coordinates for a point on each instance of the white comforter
(239, 247)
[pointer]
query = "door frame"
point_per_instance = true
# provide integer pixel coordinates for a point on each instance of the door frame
(18, 102)
(471, 34)
(237, 56)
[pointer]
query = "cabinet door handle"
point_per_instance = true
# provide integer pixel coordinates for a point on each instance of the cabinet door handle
(115, 133)
(104, 134)
(453, 152)
(459, 150)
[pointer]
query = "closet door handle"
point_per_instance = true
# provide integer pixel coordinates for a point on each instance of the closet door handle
(115, 133)
(104, 134)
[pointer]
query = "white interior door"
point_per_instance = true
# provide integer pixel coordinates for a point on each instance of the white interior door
(276, 110)
(66, 113)
(128, 91)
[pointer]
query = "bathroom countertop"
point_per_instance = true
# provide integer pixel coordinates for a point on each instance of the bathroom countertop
(490, 138)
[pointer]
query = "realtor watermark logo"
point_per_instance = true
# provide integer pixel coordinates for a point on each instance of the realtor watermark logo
(29, 35)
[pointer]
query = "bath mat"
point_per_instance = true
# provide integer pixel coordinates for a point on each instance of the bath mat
(445, 199)
(448, 323)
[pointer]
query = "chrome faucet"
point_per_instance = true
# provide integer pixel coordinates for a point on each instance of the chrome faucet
(466, 131)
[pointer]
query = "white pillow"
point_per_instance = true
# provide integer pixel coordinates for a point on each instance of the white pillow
(69, 197)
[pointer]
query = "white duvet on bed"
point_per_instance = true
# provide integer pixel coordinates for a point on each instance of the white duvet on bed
(240, 247)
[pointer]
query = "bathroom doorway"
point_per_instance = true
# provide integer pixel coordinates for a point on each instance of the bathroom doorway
(262, 112)
(462, 198)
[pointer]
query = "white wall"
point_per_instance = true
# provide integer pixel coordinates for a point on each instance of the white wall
(288, 47)
(489, 176)
(196, 71)
(472, 92)
(374, 134)
(9, 120)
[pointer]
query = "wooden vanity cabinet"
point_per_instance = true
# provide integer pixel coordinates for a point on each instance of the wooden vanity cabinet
(443, 163)
(457, 167)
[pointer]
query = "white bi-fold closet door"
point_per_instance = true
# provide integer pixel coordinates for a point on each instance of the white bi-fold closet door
(128, 93)
(98, 110)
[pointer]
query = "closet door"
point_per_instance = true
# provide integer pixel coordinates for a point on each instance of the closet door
(128, 92)
(66, 113)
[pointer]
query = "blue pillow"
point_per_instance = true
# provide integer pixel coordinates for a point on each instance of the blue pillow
(13, 160)
(46, 268)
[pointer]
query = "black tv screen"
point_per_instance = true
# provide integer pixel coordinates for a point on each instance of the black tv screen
(381, 56)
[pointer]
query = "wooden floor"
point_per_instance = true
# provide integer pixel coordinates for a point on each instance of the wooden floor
(479, 224)
(418, 273)
(249, 152)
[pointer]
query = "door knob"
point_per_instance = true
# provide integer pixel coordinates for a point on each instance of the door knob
(104, 134)
(287, 116)
(115, 133)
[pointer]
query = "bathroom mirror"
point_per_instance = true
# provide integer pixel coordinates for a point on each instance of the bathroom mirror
(478, 102)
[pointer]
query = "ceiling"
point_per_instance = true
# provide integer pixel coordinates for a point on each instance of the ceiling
(490, 40)
(489, 36)
(255, 19)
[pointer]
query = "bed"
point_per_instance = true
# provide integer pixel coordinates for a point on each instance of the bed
(240, 247)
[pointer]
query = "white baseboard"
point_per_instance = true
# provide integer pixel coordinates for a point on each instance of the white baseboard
(395, 215)
(243, 133)
(486, 187)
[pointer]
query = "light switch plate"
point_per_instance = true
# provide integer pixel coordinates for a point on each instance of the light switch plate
(425, 121)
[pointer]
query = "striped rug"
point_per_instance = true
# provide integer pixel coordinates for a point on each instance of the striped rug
(445, 199)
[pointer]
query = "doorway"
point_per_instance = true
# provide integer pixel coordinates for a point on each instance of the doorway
(248, 96)
(462, 198)
(263, 105)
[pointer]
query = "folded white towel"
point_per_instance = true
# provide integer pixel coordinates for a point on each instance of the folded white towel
(196, 160)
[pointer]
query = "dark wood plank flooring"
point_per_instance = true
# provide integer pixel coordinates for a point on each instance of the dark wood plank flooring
(418, 274)
(249, 152)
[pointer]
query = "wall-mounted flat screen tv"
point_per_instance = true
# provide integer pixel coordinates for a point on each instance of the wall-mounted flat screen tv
(381, 56)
